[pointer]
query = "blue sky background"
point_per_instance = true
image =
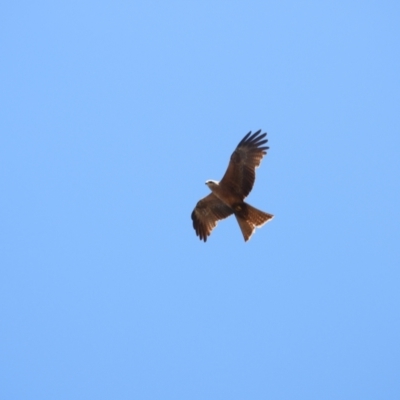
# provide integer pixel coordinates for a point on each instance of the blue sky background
(113, 115)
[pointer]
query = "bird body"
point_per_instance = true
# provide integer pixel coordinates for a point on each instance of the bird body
(227, 196)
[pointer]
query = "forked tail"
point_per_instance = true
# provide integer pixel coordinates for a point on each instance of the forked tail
(249, 218)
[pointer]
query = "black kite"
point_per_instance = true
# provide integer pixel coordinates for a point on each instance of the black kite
(228, 195)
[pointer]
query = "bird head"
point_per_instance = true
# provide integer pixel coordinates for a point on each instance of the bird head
(211, 184)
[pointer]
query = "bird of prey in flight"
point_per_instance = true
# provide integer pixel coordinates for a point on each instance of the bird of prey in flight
(227, 196)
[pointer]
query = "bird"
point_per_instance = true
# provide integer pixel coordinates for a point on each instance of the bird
(227, 196)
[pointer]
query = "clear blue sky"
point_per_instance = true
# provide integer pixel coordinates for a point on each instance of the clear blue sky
(113, 115)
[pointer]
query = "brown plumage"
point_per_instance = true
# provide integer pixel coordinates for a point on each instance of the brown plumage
(228, 195)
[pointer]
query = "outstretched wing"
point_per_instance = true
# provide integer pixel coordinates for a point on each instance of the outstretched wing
(240, 176)
(207, 213)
